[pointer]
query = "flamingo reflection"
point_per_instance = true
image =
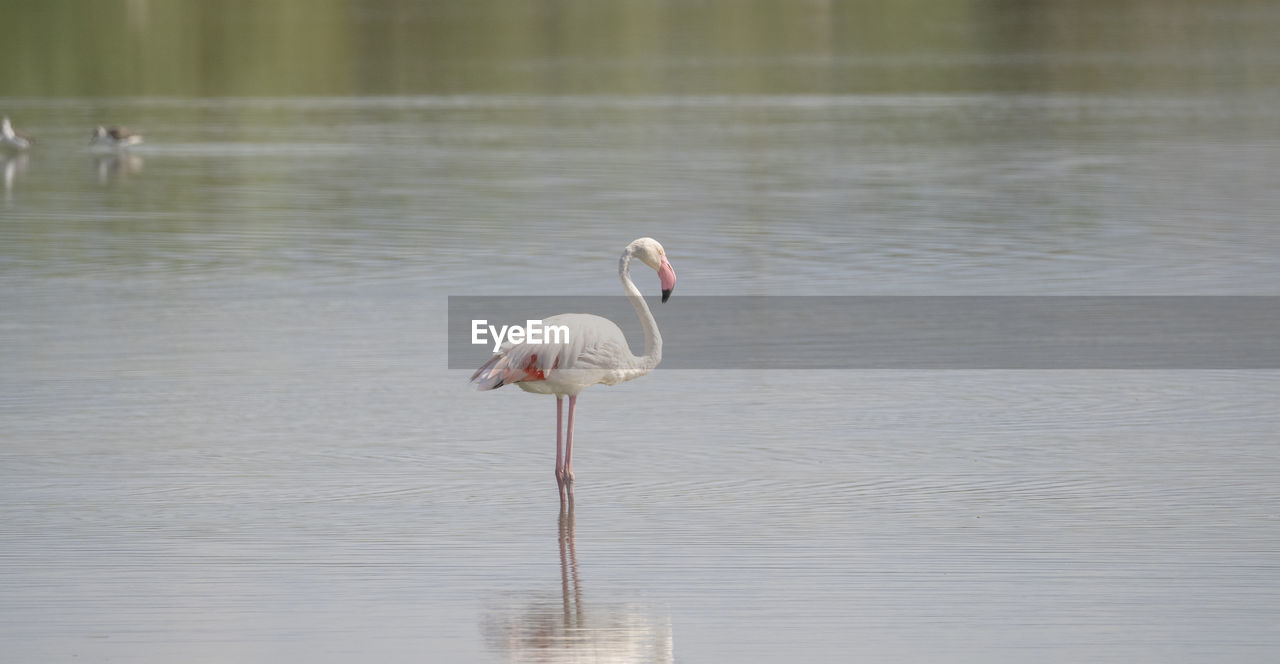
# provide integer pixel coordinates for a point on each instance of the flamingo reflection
(571, 630)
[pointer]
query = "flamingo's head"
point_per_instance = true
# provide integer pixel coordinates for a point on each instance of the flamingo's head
(652, 254)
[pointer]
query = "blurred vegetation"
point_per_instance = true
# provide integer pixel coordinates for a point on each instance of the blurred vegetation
(352, 47)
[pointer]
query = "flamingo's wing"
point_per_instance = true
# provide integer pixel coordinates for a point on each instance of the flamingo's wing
(592, 342)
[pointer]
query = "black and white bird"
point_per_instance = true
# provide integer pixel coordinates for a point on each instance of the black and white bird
(14, 140)
(114, 137)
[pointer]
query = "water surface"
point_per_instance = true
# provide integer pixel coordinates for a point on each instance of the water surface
(228, 431)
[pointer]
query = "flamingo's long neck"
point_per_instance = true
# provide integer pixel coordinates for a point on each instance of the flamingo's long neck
(652, 337)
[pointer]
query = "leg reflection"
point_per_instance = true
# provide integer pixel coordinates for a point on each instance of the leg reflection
(613, 629)
(570, 590)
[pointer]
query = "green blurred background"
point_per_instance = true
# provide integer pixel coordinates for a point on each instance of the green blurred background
(216, 48)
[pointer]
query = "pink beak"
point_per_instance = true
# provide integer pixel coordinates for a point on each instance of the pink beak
(667, 276)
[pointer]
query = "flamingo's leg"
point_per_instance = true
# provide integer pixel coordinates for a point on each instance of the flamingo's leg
(568, 443)
(559, 441)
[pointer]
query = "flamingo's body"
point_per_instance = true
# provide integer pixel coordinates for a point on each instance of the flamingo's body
(12, 139)
(115, 137)
(596, 353)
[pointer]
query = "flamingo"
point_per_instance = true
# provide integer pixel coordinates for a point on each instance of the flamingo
(596, 352)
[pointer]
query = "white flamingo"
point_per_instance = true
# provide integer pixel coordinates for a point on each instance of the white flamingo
(596, 352)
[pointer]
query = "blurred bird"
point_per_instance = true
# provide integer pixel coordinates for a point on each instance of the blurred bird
(14, 140)
(116, 137)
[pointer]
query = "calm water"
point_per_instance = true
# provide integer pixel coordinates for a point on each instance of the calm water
(228, 433)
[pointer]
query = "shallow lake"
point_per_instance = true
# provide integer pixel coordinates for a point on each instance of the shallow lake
(228, 431)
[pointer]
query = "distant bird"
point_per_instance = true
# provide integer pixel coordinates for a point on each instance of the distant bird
(596, 352)
(115, 137)
(14, 140)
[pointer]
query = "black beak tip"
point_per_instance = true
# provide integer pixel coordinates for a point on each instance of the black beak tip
(666, 295)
